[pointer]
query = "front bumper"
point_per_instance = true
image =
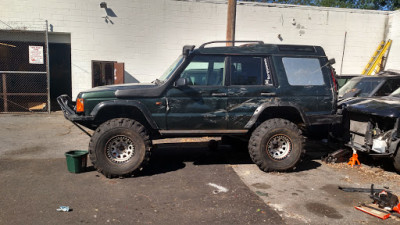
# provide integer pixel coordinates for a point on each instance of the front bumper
(67, 106)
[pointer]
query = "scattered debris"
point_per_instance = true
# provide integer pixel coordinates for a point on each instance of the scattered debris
(384, 203)
(262, 193)
(219, 188)
(64, 209)
(367, 174)
(341, 155)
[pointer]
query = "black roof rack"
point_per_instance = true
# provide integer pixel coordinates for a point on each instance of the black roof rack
(212, 42)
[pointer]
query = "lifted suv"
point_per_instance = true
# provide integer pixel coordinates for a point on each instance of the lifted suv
(267, 94)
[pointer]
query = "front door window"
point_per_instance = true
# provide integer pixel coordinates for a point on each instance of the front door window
(205, 71)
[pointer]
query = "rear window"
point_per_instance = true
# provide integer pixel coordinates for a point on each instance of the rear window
(303, 71)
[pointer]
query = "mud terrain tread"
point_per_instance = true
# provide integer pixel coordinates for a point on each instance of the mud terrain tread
(119, 123)
(396, 161)
(255, 142)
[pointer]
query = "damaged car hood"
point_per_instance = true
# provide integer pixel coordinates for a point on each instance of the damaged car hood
(385, 106)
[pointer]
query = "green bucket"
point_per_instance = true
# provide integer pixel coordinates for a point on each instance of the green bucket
(76, 161)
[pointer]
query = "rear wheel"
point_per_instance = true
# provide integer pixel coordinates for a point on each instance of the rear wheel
(276, 145)
(119, 147)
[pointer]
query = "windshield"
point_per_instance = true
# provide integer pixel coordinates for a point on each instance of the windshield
(167, 74)
(396, 93)
(362, 86)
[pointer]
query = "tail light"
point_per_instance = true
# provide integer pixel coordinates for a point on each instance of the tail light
(80, 107)
(334, 79)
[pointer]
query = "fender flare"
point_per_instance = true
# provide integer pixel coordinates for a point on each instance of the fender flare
(267, 105)
(129, 103)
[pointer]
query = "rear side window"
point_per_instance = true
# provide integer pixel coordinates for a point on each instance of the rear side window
(388, 87)
(248, 70)
(303, 71)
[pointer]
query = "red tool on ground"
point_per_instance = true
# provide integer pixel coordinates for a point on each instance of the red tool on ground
(373, 210)
(384, 203)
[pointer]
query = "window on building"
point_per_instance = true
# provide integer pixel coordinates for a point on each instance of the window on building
(107, 73)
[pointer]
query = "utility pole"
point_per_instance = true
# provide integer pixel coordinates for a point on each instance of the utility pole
(230, 28)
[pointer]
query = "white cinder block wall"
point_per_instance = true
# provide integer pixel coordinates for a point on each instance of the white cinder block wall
(147, 35)
(316, 26)
(393, 61)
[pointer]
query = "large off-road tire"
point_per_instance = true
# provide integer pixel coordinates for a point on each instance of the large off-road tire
(276, 145)
(119, 147)
(396, 161)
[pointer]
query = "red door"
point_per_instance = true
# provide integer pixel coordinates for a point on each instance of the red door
(119, 70)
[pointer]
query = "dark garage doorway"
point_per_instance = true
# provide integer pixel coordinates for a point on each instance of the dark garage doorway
(60, 72)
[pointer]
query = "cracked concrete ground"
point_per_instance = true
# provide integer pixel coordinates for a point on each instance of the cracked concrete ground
(174, 188)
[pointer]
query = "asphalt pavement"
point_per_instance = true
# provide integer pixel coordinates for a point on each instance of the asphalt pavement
(185, 183)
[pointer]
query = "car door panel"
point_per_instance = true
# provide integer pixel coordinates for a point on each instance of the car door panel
(201, 105)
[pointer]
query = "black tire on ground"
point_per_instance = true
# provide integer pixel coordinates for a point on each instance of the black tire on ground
(276, 145)
(119, 147)
(396, 161)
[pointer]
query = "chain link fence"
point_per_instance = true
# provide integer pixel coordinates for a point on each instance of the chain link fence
(24, 67)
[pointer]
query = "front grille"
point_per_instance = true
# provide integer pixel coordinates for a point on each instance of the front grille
(358, 139)
(359, 127)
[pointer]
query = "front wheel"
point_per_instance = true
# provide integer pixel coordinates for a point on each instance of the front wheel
(119, 147)
(276, 145)
(396, 161)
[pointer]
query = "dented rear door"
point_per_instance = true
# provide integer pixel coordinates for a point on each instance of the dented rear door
(251, 84)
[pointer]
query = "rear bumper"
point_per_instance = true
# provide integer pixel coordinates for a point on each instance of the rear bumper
(67, 106)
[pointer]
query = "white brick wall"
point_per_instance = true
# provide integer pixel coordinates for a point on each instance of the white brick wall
(147, 35)
(316, 26)
(394, 34)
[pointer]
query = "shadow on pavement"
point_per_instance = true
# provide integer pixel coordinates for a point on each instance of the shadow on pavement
(171, 157)
(174, 156)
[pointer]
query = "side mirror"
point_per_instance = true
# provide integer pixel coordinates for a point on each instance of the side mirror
(182, 82)
(332, 61)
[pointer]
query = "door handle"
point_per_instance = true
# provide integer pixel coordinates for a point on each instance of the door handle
(218, 94)
(268, 94)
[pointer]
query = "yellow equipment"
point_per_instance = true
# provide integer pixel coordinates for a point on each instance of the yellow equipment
(376, 59)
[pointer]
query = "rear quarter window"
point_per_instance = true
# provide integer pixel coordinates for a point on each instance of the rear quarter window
(303, 71)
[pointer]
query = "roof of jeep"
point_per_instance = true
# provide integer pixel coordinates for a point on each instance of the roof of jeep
(263, 49)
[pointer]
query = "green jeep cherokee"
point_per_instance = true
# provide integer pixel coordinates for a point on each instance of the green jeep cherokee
(267, 94)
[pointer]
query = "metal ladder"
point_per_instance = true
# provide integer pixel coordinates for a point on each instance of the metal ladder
(377, 58)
